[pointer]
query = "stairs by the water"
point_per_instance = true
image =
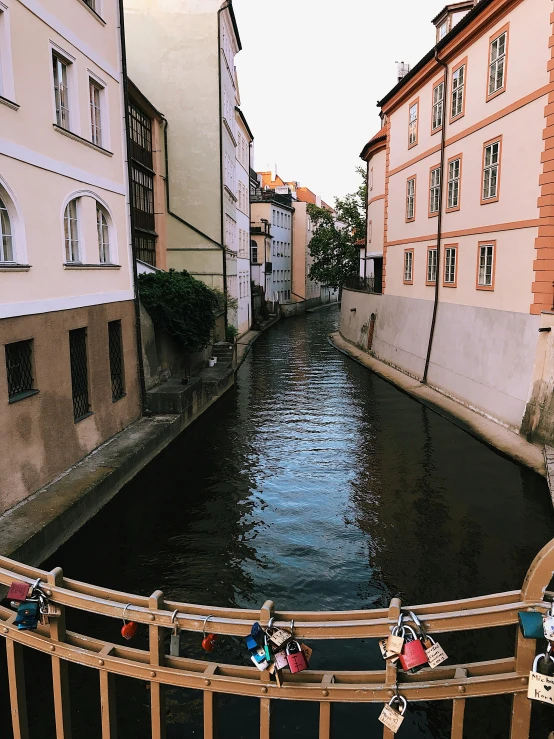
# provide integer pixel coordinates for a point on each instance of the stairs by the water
(223, 351)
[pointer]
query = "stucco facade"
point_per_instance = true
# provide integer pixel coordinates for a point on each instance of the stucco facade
(492, 105)
(67, 321)
(242, 318)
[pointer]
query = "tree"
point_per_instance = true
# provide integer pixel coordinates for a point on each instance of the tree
(335, 244)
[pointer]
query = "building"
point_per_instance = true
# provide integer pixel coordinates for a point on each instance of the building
(461, 210)
(67, 312)
(242, 319)
(196, 88)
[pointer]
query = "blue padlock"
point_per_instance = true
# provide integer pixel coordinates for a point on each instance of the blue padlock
(531, 624)
(256, 632)
(251, 643)
(28, 614)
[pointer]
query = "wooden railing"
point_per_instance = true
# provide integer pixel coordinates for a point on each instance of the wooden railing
(455, 683)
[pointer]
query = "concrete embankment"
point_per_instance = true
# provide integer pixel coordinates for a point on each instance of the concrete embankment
(505, 441)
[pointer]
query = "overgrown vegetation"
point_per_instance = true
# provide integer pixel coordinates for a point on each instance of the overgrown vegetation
(181, 305)
(335, 244)
(231, 333)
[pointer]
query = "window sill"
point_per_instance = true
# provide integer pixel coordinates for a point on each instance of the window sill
(487, 201)
(231, 194)
(22, 396)
(9, 103)
(231, 134)
(495, 94)
(82, 418)
(93, 12)
(14, 267)
(69, 265)
(81, 140)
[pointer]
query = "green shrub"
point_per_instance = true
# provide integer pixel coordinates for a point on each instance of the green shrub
(231, 333)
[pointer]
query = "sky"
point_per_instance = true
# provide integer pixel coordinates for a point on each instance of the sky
(310, 73)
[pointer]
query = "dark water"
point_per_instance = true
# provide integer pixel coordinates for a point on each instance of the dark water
(320, 486)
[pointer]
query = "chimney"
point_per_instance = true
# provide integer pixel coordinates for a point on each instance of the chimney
(403, 69)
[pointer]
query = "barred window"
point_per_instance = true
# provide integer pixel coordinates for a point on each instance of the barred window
(103, 235)
(431, 265)
(19, 368)
(438, 106)
(71, 232)
(491, 163)
(410, 199)
(6, 239)
(116, 360)
(434, 190)
(450, 266)
(79, 373)
(454, 183)
(497, 63)
(458, 84)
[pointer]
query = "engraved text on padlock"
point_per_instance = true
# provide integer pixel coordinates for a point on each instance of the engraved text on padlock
(392, 656)
(391, 718)
(541, 688)
(435, 655)
(277, 636)
(395, 644)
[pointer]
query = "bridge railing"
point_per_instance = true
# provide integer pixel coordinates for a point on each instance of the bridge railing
(456, 683)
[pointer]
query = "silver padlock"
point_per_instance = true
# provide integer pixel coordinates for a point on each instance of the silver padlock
(392, 718)
(548, 624)
(175, 640)
(276, 636)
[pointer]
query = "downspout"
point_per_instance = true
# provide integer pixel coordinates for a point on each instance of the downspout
(366, 221)
(439, 222)
(138, 333)
(221, 200)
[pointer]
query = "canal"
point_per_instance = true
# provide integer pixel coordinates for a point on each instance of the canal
(320, 486)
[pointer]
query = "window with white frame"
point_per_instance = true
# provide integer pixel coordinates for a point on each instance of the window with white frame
(485, 270)
(95, 112)
(61, 91)
(410, 199)
(438, 106)
(103, 235)
(71, 231)
(253, 252)
(491, 164)
(431, 265)
(230, 172)
(6, 236)
(454, 183)
(497, 63)
(458, 87)
(230, 233)
(412, 126)
(408, 266)
(442, 30)
(434, 190)
(450, 265)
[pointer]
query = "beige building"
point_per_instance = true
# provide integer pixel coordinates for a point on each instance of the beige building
(195, 87)
(67, 313)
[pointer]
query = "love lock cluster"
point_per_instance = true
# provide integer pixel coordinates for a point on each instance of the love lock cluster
(275, 649)
(413, 649)
(33, 607)
(535, 625)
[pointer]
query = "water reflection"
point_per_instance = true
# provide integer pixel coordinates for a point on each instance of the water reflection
(320, 486)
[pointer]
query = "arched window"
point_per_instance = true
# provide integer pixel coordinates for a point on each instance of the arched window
(103, 235)
(71, 232)
(6, 240)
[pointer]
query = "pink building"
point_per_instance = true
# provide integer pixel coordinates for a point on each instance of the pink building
(460, 214)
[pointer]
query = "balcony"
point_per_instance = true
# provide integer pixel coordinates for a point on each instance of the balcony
(270, 196)
(365, 284)
(260, 229)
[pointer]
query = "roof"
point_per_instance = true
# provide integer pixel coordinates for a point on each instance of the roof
(452, 8)
(243, 119)
(377, 139)
(229, 5)
(465, 21)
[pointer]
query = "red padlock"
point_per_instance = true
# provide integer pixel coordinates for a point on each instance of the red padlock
(129, 628)
(208, 642)
(296, 658)
(413, 654)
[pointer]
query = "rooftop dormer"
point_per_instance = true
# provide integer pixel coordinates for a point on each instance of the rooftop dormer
(451, 14)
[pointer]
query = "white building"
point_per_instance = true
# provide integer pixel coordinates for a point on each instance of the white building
(243, 316)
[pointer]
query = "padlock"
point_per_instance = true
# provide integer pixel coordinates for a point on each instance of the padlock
(129, 628)
(280, 660)
(435, 653)
(256, 632)
(19, 592)
(413, 656)
(28, 614)
(389, 656)
(391, 717)
(548, 624)
(208, 640)
(276, 636)
(267, 650)
(531, 624)
(175, 638)
(50, 610)
(295, 657)
(259, 654)
(261, 665)
(308, 651)
(541, 686)
(251, 643)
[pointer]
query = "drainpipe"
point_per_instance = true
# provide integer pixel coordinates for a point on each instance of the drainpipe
(439, 222)
(140, 365)
(366, 221)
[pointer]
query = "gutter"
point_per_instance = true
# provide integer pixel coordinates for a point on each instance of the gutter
(140, 365)
(439, 221)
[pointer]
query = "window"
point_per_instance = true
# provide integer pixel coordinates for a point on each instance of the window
(91, 4)
(230, 234)
(410, 199)
(454, 175)
(79, 373)
(434, 190)
(140, 133)
(103, 235)
(145, 249)
(71, 232)
(412, 126)
(497, 64)
(95, 113)
(438, 107)
(19, 368)
(431, 266)
(442, 30)
(253, 252)
(450, 266)
(61, 92)
(491, 172)
(485, 266)
(6, 241)
(408, 266)
(143, 199)
(458, 88)
(115, 346)
(230, 174)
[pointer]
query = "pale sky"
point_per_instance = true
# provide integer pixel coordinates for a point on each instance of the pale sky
(310, 74)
